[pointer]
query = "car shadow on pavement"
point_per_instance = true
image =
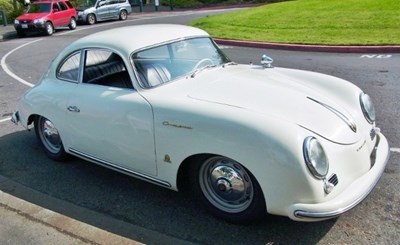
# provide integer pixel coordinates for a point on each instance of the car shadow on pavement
(129, 207)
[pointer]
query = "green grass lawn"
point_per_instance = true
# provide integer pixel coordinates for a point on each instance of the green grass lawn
(328, 22)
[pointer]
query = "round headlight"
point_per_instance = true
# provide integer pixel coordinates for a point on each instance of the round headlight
(367, 107)
(315, 158)
(16, 22)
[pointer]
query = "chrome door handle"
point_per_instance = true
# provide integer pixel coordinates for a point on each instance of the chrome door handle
(73, 109)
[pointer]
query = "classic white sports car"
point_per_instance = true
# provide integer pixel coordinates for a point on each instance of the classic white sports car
(164, 104)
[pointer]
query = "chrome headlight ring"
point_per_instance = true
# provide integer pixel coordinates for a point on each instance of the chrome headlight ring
(315, 157)
(367, 108)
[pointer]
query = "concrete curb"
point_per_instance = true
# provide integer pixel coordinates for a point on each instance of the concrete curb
(74, 228)
(311, 48)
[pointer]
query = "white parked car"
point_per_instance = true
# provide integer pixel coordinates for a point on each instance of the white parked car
(172, 109)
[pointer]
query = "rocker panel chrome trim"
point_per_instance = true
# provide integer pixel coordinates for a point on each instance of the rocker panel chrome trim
(119, 168)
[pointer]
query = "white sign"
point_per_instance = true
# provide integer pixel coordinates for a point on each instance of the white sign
(376, 56)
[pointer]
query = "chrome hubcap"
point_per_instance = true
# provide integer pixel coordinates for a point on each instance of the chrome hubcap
(49, 29)
(50, 136)
(226, 184)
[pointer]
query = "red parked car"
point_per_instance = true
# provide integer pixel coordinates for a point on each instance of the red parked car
(45, 16)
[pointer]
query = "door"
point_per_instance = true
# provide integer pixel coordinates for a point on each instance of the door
(103, 10)
(111, 124)
(115, 5)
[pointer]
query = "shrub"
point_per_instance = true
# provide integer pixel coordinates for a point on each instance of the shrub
(8, 8)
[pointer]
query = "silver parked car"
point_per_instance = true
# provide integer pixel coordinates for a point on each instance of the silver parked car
(93, 11)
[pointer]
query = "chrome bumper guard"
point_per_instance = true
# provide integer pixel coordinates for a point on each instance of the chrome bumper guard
(15, 118)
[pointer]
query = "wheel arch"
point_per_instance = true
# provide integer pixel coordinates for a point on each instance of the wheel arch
(183, 174)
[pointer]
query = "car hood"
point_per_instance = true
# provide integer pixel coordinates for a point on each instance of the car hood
(32, 16)
(273, 93)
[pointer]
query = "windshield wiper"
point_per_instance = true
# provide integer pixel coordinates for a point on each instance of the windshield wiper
(201, 69)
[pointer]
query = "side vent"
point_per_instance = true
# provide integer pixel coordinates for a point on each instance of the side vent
(333, 179)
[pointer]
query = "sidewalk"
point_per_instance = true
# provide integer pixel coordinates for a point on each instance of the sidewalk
(26, 223)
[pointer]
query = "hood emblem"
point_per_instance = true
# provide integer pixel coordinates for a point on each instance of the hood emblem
(346, 119)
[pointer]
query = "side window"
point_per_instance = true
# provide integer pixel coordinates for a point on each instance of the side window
(62, 6)
(69, 70)
(69, 5)
(154, 53)
(103, 67)
(55, 7)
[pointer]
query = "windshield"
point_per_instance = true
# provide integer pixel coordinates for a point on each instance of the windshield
(39, 8)
(167, 62)
(88, 3)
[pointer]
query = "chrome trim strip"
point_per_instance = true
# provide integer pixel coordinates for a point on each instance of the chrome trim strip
(332, 214)
(119, 168)
(347, 120)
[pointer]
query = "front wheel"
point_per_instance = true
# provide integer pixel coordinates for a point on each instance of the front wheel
(228, 190)
(49, 28)
(91, 19)
(49, 139)
(20, 33)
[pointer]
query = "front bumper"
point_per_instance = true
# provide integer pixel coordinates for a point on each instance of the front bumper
(38, 27)
(351, 196)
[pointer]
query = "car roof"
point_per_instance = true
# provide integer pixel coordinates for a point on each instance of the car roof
(132, 38)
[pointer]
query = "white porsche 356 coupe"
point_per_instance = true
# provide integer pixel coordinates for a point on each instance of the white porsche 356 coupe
(162, 103)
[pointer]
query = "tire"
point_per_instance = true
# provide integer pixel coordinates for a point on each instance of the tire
(21, 33)
(49, 139)
(49, 28)
(228, 190)
(91, 19)
(72, 24)
(123, 15)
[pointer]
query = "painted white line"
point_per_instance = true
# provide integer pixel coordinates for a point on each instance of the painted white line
(9, 72)
(397, 150)
(5, 119)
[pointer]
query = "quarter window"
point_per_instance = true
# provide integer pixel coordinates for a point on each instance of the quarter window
(103, 67)
(69, 70)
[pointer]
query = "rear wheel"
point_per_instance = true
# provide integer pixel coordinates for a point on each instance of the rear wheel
(91, 19)
(72, 24)
(123, 15)
(49, 139)
(49, 29)
(228, 190)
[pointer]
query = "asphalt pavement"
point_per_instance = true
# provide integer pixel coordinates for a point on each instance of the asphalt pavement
(27, 223)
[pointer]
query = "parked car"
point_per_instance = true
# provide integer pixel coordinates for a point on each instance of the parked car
(174, 110)
(93, 11)
(45, 16)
